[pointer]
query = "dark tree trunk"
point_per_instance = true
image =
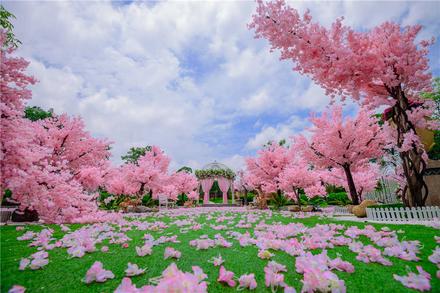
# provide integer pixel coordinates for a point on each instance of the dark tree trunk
(414, 166)
(351, 186)
(298, 198)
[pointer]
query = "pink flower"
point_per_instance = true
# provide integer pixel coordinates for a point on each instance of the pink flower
(217, 261)
(435, 256)
(272, 279)
(125, 245)
(288, 289)
(38, 263)
(104, 249)
(17, 289)
(171, 253)
(76, 251)
(19, 228)
(322, 281)
(247, 282)
(144, 250)
(341, 265)
(133, 270)
(226, 277)
(24, 262)
(97, 273)
(198, 272)
(416, 281)
(126, 286)
(276, 267)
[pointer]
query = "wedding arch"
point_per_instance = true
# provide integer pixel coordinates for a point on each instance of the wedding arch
(216, 172)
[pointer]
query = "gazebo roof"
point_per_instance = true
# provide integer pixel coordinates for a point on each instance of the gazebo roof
(215, 166)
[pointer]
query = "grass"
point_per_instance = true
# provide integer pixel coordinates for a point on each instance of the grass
(65, 275)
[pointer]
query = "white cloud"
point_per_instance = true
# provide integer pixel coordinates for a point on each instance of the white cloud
(295, 125)
(182, 75)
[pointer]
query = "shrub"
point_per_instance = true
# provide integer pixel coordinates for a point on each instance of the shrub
(393, 205)
(148, 201)
(338, 198)
(279, 200)
(318, 201)
(181, 199)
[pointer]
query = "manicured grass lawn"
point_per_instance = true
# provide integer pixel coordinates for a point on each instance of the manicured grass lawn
(65, 274)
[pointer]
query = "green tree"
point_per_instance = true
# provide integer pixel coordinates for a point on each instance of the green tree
(135, 153)
(435, 96)
(5, 23)
(185, 169)
(434, 152)
(36, 113)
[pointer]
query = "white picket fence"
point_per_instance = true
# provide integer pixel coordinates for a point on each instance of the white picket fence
(341, 211)
(403, 214)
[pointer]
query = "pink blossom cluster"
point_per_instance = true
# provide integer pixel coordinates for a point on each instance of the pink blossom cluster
(172, 280)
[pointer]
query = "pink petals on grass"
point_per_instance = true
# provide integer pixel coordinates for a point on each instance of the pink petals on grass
(368, 253)
(133, 270)
(217, 260)
(146, 249)
(247, 282)
(419, 281)
(171, 280)
(171, 253)
(272, 276)
(37, 261)
(317, 272)
(204, 242)
(97, 273)
(17, 289)
(226, 277)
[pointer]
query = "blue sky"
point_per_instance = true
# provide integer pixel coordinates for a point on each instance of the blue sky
(187, 76)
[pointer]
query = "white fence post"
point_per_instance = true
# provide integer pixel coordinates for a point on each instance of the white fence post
(413, 214)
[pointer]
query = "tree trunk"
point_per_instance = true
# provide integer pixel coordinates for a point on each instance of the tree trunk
(298, 198)
(245, 197)
(412, 162)
(351, 186)
(262, 203)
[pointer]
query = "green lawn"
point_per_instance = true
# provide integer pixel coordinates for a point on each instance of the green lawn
(63, 274)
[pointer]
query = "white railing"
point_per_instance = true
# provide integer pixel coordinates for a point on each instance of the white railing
(403, 214)
(341, 211)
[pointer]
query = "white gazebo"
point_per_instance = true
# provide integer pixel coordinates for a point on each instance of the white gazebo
(216, 172)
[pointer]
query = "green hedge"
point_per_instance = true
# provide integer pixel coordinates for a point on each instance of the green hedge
(382, 206)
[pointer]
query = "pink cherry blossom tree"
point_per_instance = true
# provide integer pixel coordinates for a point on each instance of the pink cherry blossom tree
(345, 144)
(149, 174)
(381, 66)
(298, 175)
(47, 163)
(365, 178)
(184, 183)
(264, 170)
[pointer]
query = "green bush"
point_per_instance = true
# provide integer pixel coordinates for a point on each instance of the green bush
(181, 199)
(393, 205)
(112, 204)
(279, 200)
(318, 201)
(148, 201)
(338, 198)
